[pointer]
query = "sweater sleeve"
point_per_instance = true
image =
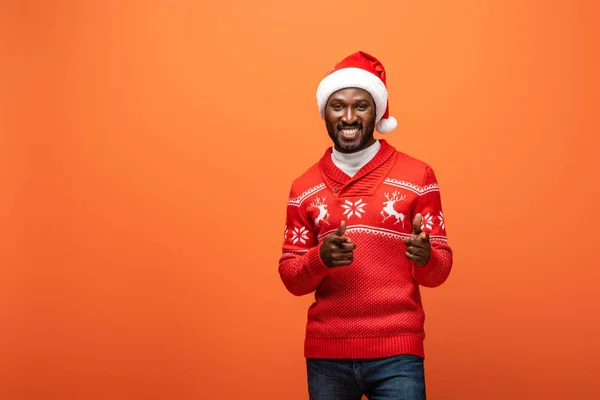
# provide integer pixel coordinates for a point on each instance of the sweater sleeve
(429, 205)
(300, 266)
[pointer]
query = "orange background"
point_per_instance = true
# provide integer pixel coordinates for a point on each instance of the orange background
(146, 153)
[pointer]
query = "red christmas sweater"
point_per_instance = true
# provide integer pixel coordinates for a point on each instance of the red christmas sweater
(371, 308)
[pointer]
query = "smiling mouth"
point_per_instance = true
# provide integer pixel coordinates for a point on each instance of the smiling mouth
(349, 133)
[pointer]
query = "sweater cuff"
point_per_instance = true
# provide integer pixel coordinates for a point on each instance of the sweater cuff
(315, 264)
(431, 263)
(433, 273)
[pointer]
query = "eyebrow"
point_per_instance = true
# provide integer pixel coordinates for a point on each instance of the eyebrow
(334, 99)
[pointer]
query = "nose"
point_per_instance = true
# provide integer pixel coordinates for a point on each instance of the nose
(349, 117)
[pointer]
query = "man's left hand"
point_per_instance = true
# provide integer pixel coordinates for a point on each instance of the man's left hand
(418, 248)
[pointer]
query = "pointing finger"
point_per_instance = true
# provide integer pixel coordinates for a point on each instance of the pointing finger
(347, 246)
(415, 242)
(416, 251)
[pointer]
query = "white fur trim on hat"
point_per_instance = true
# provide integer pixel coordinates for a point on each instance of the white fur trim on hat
(354, 77)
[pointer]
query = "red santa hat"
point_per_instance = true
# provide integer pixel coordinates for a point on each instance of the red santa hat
(363, 71)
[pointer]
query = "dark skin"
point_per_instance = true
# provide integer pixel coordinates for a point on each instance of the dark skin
(418, 247)
(337, 250)
(350, 121)
(347, 109)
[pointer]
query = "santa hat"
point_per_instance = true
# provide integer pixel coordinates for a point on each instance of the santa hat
(363, 71)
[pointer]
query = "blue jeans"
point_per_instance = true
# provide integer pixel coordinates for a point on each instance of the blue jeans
(399, 378)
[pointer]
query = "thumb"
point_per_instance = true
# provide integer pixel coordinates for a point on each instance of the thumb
(340, 231)
(417, 224)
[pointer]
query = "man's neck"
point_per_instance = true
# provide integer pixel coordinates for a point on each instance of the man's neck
(351, 163)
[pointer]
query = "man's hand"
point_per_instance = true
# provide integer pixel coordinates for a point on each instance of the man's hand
(418, 248)
(336, 250)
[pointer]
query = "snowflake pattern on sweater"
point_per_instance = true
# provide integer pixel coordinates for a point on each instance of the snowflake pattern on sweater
(371, 308)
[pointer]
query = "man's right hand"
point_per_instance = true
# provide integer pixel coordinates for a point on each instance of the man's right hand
(337, 250)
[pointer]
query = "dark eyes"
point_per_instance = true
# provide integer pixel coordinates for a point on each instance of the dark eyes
(360, 107)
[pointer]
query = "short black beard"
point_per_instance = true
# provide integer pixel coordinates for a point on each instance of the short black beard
(350, 148)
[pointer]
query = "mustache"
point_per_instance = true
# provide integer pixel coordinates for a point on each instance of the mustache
(354, 125)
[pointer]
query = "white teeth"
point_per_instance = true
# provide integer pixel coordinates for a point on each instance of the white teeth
(349, 133)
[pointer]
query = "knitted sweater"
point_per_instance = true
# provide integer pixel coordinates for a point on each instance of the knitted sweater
(371, 308)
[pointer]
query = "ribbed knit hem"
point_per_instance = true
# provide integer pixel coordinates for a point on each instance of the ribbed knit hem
(377, 347)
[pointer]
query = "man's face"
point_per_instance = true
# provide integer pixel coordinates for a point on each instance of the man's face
(350, 119)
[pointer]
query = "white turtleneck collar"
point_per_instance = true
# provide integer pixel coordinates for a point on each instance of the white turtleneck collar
(351, 163)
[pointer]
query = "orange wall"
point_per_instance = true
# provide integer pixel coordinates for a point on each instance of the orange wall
(142, 209)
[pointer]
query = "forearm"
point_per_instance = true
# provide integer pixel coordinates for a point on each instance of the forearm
(437, 269)
(302, 273)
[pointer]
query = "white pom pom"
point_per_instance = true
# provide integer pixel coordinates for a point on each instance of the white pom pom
(387, 125)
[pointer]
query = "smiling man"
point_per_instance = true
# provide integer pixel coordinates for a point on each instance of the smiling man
(364, 230)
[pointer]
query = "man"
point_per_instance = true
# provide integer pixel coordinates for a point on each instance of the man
(364, 230)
